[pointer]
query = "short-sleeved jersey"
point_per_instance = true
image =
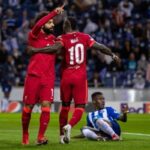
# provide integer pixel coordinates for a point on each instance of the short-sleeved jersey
(75, 47)
(108, 113)
(41, 64)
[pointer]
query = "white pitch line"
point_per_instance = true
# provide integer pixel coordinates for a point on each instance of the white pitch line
(35, 130)
(138, 134)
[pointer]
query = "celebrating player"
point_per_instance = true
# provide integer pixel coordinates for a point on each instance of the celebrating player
(39, 82)
(73, 45)
(101, 123)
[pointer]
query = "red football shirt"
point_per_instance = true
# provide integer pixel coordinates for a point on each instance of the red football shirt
(41, 64)
(75, 47)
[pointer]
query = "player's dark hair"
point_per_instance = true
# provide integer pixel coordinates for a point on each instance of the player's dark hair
(40, 15)
(73, 22)
(95, 94)
(70, 24)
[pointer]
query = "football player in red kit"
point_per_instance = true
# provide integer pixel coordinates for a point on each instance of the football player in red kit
(39, 82)
(73, 45)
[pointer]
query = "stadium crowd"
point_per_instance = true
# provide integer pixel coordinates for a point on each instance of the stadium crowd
(122, 25)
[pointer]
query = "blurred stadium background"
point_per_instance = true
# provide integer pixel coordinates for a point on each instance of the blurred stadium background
(122, 25)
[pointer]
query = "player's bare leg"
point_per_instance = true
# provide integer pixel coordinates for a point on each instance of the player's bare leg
(26, 116)
(44, 120)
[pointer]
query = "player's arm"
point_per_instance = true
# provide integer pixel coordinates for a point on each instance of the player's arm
(49, 49)
(123, 116)
(37, 27)
(118, 116)
(104, 49)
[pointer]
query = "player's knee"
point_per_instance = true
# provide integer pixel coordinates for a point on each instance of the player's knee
(66, 104)
(80, 106)
(89, 134)
(85, 132)
(27, 108)
(45, 109)
(80, 110)
(45, 104)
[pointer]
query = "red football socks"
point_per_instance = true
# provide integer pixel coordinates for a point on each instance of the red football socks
(44, 120)
(26, 116)
(63, 118)
(77, 115)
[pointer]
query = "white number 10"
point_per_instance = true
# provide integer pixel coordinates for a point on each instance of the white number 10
(76, 54)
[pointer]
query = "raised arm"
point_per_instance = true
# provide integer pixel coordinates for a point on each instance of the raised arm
(37, 27)
(104, 49)
(49, 49)
(123, 116)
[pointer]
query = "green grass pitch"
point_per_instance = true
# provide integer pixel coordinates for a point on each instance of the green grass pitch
(135, 134)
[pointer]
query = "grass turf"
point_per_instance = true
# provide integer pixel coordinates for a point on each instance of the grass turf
(10, 134)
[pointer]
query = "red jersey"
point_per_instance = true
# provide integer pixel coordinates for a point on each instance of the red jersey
(75, 47)
(41, 64)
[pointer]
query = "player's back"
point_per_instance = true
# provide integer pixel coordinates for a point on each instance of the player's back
(75, 49)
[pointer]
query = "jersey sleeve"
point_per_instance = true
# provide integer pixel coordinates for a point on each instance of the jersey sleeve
(90, 41)
(113, 113)
(37, 27)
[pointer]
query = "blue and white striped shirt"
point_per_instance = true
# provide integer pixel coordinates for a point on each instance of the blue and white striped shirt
(108, 113)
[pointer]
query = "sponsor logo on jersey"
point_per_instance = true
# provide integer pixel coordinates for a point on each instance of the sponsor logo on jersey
(74, 40)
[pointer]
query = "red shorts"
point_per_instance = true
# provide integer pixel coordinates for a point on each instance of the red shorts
(38, 89)
(74, 86)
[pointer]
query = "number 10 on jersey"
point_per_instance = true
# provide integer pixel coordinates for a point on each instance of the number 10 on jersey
(76, 54)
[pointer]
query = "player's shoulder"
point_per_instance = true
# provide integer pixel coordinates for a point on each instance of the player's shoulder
(83, 34)
(109, 108)
(30, 34)
(61, 36)
(91, 113)
(95, 112)
(52, 36)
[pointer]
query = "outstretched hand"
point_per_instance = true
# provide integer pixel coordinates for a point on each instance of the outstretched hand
(60, 10)
(125, 109)
(116, 59)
